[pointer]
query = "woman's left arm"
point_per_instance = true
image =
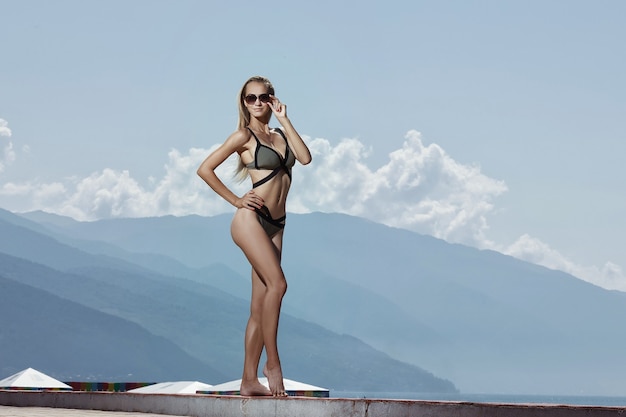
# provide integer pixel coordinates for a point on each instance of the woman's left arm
(297, 145)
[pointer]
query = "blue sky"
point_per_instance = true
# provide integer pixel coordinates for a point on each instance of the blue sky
(496, 124)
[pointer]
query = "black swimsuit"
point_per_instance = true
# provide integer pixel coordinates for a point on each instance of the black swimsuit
(266, 158)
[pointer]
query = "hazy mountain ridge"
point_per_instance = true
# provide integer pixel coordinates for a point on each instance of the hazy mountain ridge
(509, 320)
(167, 305)
(489, 322)
(73, 342)
(381, 317)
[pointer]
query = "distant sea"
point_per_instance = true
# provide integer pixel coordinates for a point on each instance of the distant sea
(489, 398)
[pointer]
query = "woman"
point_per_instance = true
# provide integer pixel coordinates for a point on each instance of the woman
(267, 156)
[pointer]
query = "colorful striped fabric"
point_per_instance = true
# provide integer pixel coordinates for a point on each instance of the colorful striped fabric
(291, 393)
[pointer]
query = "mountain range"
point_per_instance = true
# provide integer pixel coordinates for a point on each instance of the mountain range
(86, 316)
(369, 307)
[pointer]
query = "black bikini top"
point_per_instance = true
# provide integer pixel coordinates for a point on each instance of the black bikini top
(266, 158)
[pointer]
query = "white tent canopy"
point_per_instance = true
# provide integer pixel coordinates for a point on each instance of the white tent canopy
(32, 379)
(291, 387)
(178, 387)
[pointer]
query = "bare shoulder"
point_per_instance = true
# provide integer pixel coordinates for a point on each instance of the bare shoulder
(239, 138)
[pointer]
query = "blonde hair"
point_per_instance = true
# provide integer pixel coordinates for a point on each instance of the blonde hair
(241, 172)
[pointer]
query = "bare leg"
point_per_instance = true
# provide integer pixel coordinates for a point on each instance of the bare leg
(250, 385)
(264, 256)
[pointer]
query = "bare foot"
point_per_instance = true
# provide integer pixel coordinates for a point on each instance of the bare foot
(275, 380)
(253, 389)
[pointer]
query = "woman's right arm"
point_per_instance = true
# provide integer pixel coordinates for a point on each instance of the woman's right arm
(206, 170)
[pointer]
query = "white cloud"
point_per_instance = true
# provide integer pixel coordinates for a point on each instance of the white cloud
(420, 188)
(533, 250)
(8, 154)
(4, 128)
(112, 193)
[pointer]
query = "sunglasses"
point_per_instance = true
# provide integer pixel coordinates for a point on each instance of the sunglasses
(263, 98)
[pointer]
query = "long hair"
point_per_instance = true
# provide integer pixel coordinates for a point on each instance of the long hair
(241, 172)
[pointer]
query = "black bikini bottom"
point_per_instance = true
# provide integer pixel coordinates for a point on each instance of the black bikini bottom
(269, 224)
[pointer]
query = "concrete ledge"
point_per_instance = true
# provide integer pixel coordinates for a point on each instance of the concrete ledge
(231, 406)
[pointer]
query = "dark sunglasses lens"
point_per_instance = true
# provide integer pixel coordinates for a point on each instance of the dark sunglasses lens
(251, 98)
